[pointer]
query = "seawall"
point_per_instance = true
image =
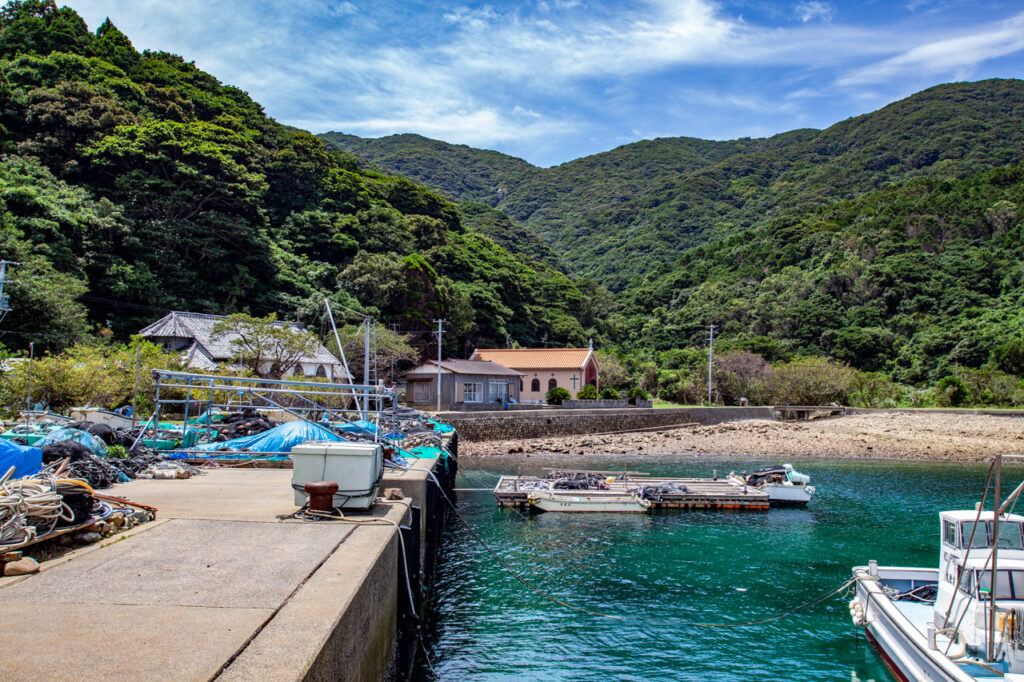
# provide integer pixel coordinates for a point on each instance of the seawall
(482, 426)
(224, 585)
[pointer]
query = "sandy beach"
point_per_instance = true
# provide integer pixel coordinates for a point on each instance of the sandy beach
(953, 437)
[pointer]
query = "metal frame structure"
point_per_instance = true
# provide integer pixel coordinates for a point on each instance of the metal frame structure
(298, 398)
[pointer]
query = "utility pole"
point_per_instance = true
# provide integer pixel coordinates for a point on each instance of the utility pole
(956, 358)
(5, 301)
(439, 333)
(31, 359)
(366, 365)
(711, 350)
(135, 393)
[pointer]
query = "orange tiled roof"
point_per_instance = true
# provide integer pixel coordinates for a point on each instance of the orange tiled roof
(534, 358)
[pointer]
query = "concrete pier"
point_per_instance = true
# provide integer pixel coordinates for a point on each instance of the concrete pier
(219, 587)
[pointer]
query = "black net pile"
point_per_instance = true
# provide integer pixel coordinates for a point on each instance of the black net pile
(100, 472)
(106, 433)
(660, 490)
(246, 423)
(82, 464)
(577, 480)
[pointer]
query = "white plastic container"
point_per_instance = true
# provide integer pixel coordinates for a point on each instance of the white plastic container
(355, 467)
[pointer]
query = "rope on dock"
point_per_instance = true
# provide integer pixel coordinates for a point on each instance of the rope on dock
(549, 597)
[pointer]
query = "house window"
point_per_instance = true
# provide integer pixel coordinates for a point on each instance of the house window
(472, 393)
(321, 371)
(535, 385)
(499, 391)
(553, 383)
(520, 385)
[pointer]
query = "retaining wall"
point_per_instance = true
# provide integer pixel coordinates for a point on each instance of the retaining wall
(483, 426)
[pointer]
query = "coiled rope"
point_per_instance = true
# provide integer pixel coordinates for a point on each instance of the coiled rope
(30, 507)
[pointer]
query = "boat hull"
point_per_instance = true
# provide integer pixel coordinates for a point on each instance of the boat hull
(587, 504)
(788, 495)
(902, 646)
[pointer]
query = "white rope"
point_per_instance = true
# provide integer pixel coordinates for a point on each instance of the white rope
(30, 507)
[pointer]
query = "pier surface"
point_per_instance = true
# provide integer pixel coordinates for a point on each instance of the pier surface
(218, 587)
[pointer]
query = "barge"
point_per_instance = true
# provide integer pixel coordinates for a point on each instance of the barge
(661, 492)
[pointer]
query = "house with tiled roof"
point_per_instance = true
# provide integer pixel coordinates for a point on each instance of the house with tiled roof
(191, 334)
(545, 368)
(465, 384)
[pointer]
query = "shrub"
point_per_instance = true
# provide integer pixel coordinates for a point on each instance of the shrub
(588, 392)
(950, 392)
(811, 381)
(556, 395)
(637, 394)
(609, 394)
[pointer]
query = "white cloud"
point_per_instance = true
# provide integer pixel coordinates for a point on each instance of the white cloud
(814, 9)
(955, 57)
(536, 71)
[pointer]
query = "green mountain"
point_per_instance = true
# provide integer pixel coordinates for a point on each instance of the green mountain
(133, 183)
(910, 280)
(626, 213)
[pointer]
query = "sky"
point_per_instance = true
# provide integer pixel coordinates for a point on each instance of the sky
(553, 80)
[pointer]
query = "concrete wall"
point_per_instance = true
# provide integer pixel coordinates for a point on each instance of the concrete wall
(482, 426)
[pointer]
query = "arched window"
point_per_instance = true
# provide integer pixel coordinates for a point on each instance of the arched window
(535, 385)
(553, 383)
(321, 371)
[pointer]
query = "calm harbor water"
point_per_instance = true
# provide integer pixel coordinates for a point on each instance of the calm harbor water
(671, 568)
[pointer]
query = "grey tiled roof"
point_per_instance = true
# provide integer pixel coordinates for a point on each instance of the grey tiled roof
(464, 367)
(207, 351)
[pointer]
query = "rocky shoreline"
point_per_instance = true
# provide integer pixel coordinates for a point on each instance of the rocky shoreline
(948, 437)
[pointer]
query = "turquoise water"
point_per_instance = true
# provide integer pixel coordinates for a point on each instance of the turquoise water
(669, 568)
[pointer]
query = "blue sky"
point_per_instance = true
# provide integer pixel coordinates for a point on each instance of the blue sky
(553, 80)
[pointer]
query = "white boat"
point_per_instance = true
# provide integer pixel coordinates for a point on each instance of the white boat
(941, 623)
(783, 485)
(583, 501)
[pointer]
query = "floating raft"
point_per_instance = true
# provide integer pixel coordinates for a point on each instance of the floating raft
(701, 493)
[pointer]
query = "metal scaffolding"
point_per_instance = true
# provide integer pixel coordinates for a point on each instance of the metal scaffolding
(305, 400)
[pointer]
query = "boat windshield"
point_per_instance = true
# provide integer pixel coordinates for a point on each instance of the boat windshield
(1009, 585)
(1010, 536)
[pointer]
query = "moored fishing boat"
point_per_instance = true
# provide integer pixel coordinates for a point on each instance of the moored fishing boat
(945, 623)
(784, 485)
(582, 501)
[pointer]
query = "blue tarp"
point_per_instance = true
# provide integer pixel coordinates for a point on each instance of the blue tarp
(278, 439)
(98, 447)
(441, 426)
(25, 460)
(358, 426)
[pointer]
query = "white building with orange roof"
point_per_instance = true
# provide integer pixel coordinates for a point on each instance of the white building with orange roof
(545, 368)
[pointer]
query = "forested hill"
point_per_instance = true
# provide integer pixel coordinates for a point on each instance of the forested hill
(132, 183)
(625, 213)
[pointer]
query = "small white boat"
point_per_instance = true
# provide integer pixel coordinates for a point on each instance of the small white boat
(783, 485)
(583, 501)
(942, 623)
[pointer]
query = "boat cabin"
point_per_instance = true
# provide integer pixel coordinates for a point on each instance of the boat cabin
(965, 575)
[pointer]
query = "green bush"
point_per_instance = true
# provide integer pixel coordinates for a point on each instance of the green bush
(609, 394)
(950, 392)
(556, 395)
(637, 394)
(588, 392)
